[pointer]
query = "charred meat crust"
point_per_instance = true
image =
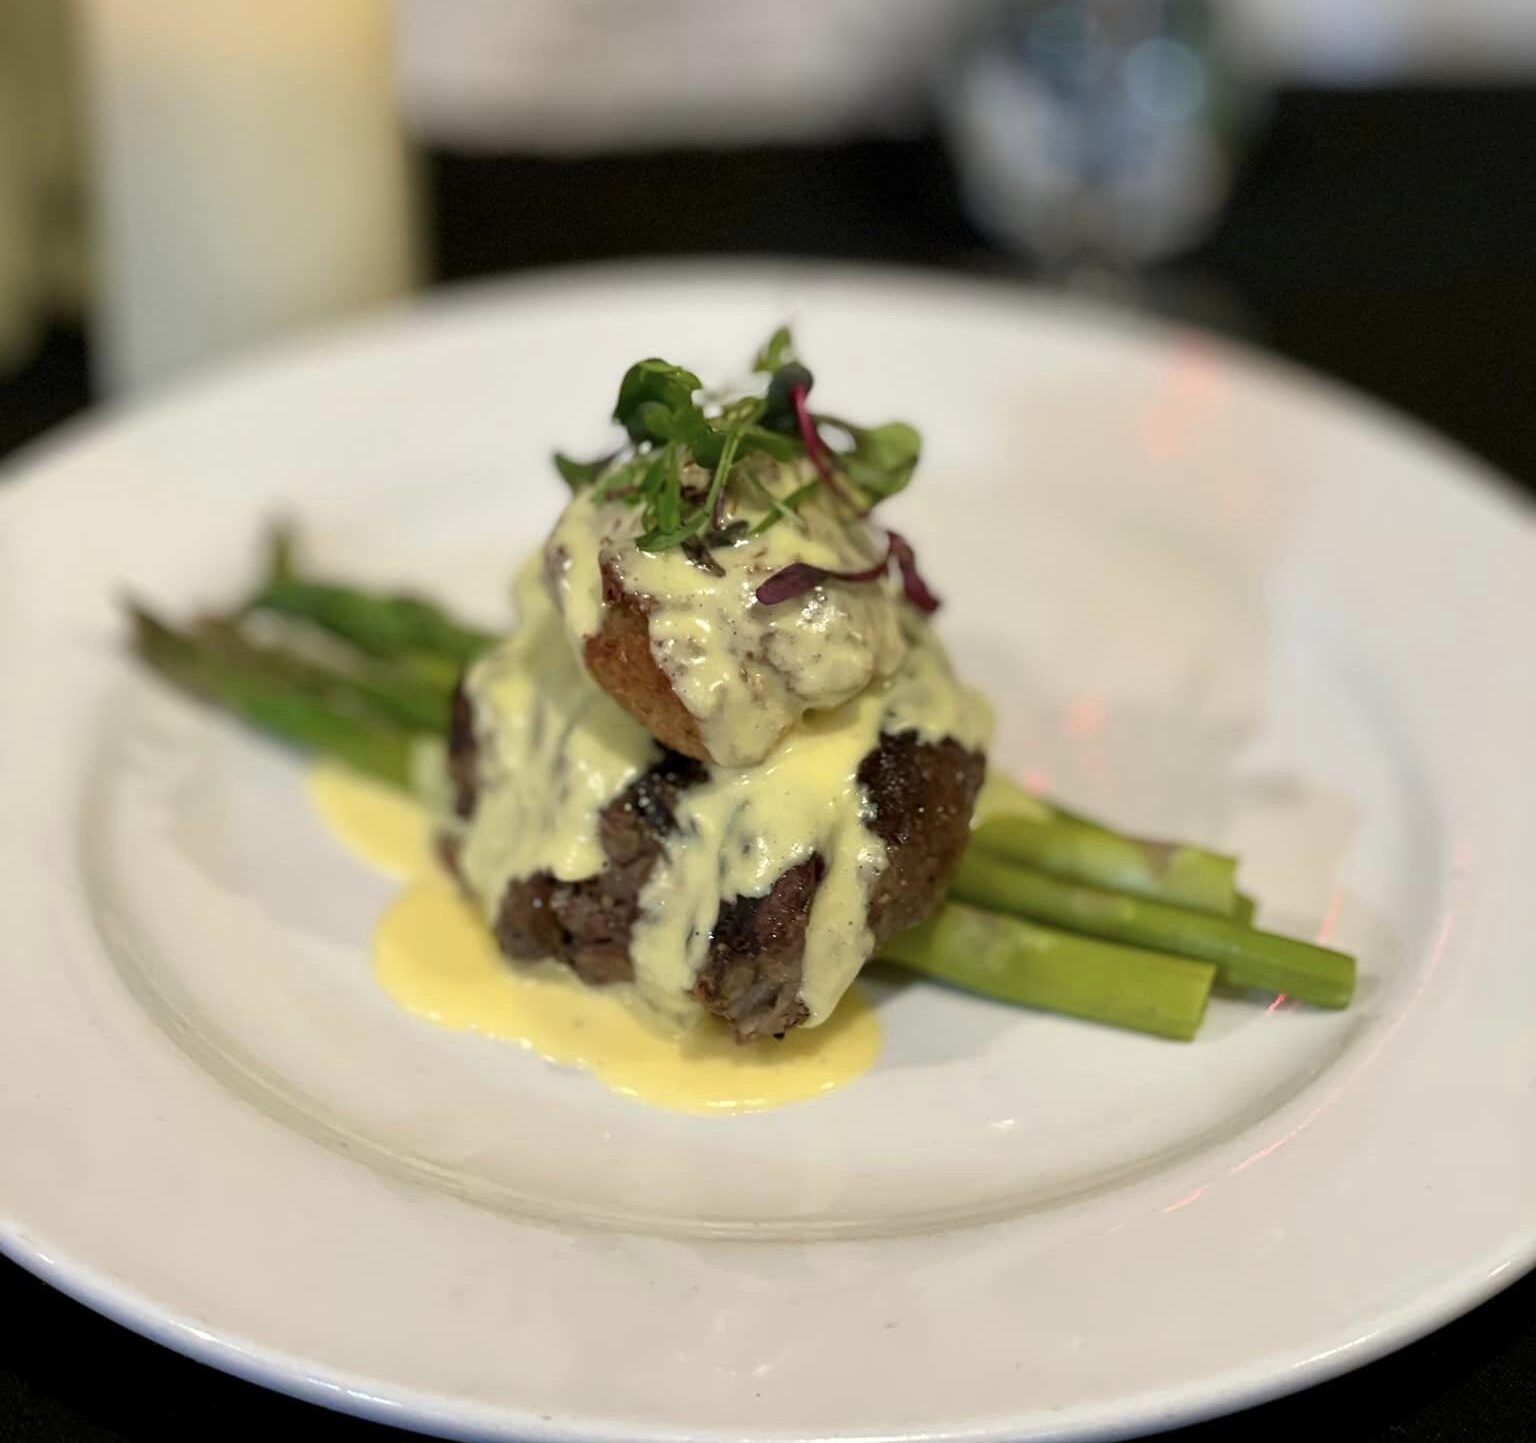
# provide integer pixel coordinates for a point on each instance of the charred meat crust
(757, 956)
(463, 753)
(586, 924)
(919, 797)
(619, 659)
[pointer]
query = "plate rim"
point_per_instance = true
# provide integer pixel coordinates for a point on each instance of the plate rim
(434, 1415)
(441, 303)
(368, 1397)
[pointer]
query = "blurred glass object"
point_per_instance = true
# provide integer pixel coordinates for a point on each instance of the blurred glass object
(1097, 136)
(250, 174)
(42, 252)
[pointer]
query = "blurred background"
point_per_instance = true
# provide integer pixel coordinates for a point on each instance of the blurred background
(1349, 183)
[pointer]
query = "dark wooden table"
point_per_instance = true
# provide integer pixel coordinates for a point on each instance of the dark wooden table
(1388, 239)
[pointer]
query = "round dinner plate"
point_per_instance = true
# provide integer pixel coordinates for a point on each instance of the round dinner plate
(1209, 597)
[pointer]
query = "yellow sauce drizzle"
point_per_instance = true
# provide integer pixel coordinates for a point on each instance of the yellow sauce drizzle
(382, 828)
(433, 954)
(555, 748)
(746, 672)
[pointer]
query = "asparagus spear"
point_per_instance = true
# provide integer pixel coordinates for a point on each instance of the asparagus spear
(387, 626)
(1077, 850)
(274, 700)
(1246, 958)
(1021, 962)
(384, 625)
(366, 715)
(393, 691)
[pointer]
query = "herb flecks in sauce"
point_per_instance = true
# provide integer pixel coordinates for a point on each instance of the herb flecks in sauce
(694, 470)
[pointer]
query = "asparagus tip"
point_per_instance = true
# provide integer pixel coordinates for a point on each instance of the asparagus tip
(147, 628)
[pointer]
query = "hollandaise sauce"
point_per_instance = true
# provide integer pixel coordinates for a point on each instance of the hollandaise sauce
(747, 673)
(434, 954)
(554, 750)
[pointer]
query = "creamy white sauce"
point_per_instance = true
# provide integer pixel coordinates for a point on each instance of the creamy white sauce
(746, 672)
(434, 955)
(743, 827)
(555, 749)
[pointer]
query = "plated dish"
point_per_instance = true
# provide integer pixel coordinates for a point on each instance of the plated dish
(720, 764)
(1192, 589)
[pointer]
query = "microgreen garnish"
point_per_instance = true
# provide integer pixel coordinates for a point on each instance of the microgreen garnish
(651, 394)
(716, 500)
(777, 351)
(815, 447)
(883, 458)
(779, 403)
(698, 553)
(913, 584)
(786, 510)
(689, 462)
(800, 576)
(577, 474)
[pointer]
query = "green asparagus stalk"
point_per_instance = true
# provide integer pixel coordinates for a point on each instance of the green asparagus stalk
(385, 626)
(1021, 962)
(1027, 858)
(273, 699)
(390, 626)
(397, 692)
(282, 554)
(1076, 850)
(1246, 958)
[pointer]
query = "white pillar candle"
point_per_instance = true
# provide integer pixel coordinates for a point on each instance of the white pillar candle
(250, 176)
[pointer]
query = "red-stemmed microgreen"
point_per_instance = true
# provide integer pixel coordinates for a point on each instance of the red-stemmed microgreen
(916, 589)
(671, 425)
(716, 500)
(799, 577)
(815, 447)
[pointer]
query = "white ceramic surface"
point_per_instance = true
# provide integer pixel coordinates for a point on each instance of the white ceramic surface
(1210, 597)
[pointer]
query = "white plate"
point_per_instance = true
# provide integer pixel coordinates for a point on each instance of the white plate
(1211, 598)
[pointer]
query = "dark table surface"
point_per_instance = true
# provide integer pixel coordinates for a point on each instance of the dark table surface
(1386, 238)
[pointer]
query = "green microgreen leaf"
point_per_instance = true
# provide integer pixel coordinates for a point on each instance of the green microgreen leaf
(801, 494)
(738, 414)
(697, 552)
(779, 406)
(672, 425)
(624, 477)
(653, 382)
(781, 448)
(656, 421)
(778, 350)
(786, 510)
(658, 539)
(668, 490)
(883, 459)
(712, 503)
(577, 474)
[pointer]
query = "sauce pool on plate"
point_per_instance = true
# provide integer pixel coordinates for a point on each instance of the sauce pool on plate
(434, 955)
